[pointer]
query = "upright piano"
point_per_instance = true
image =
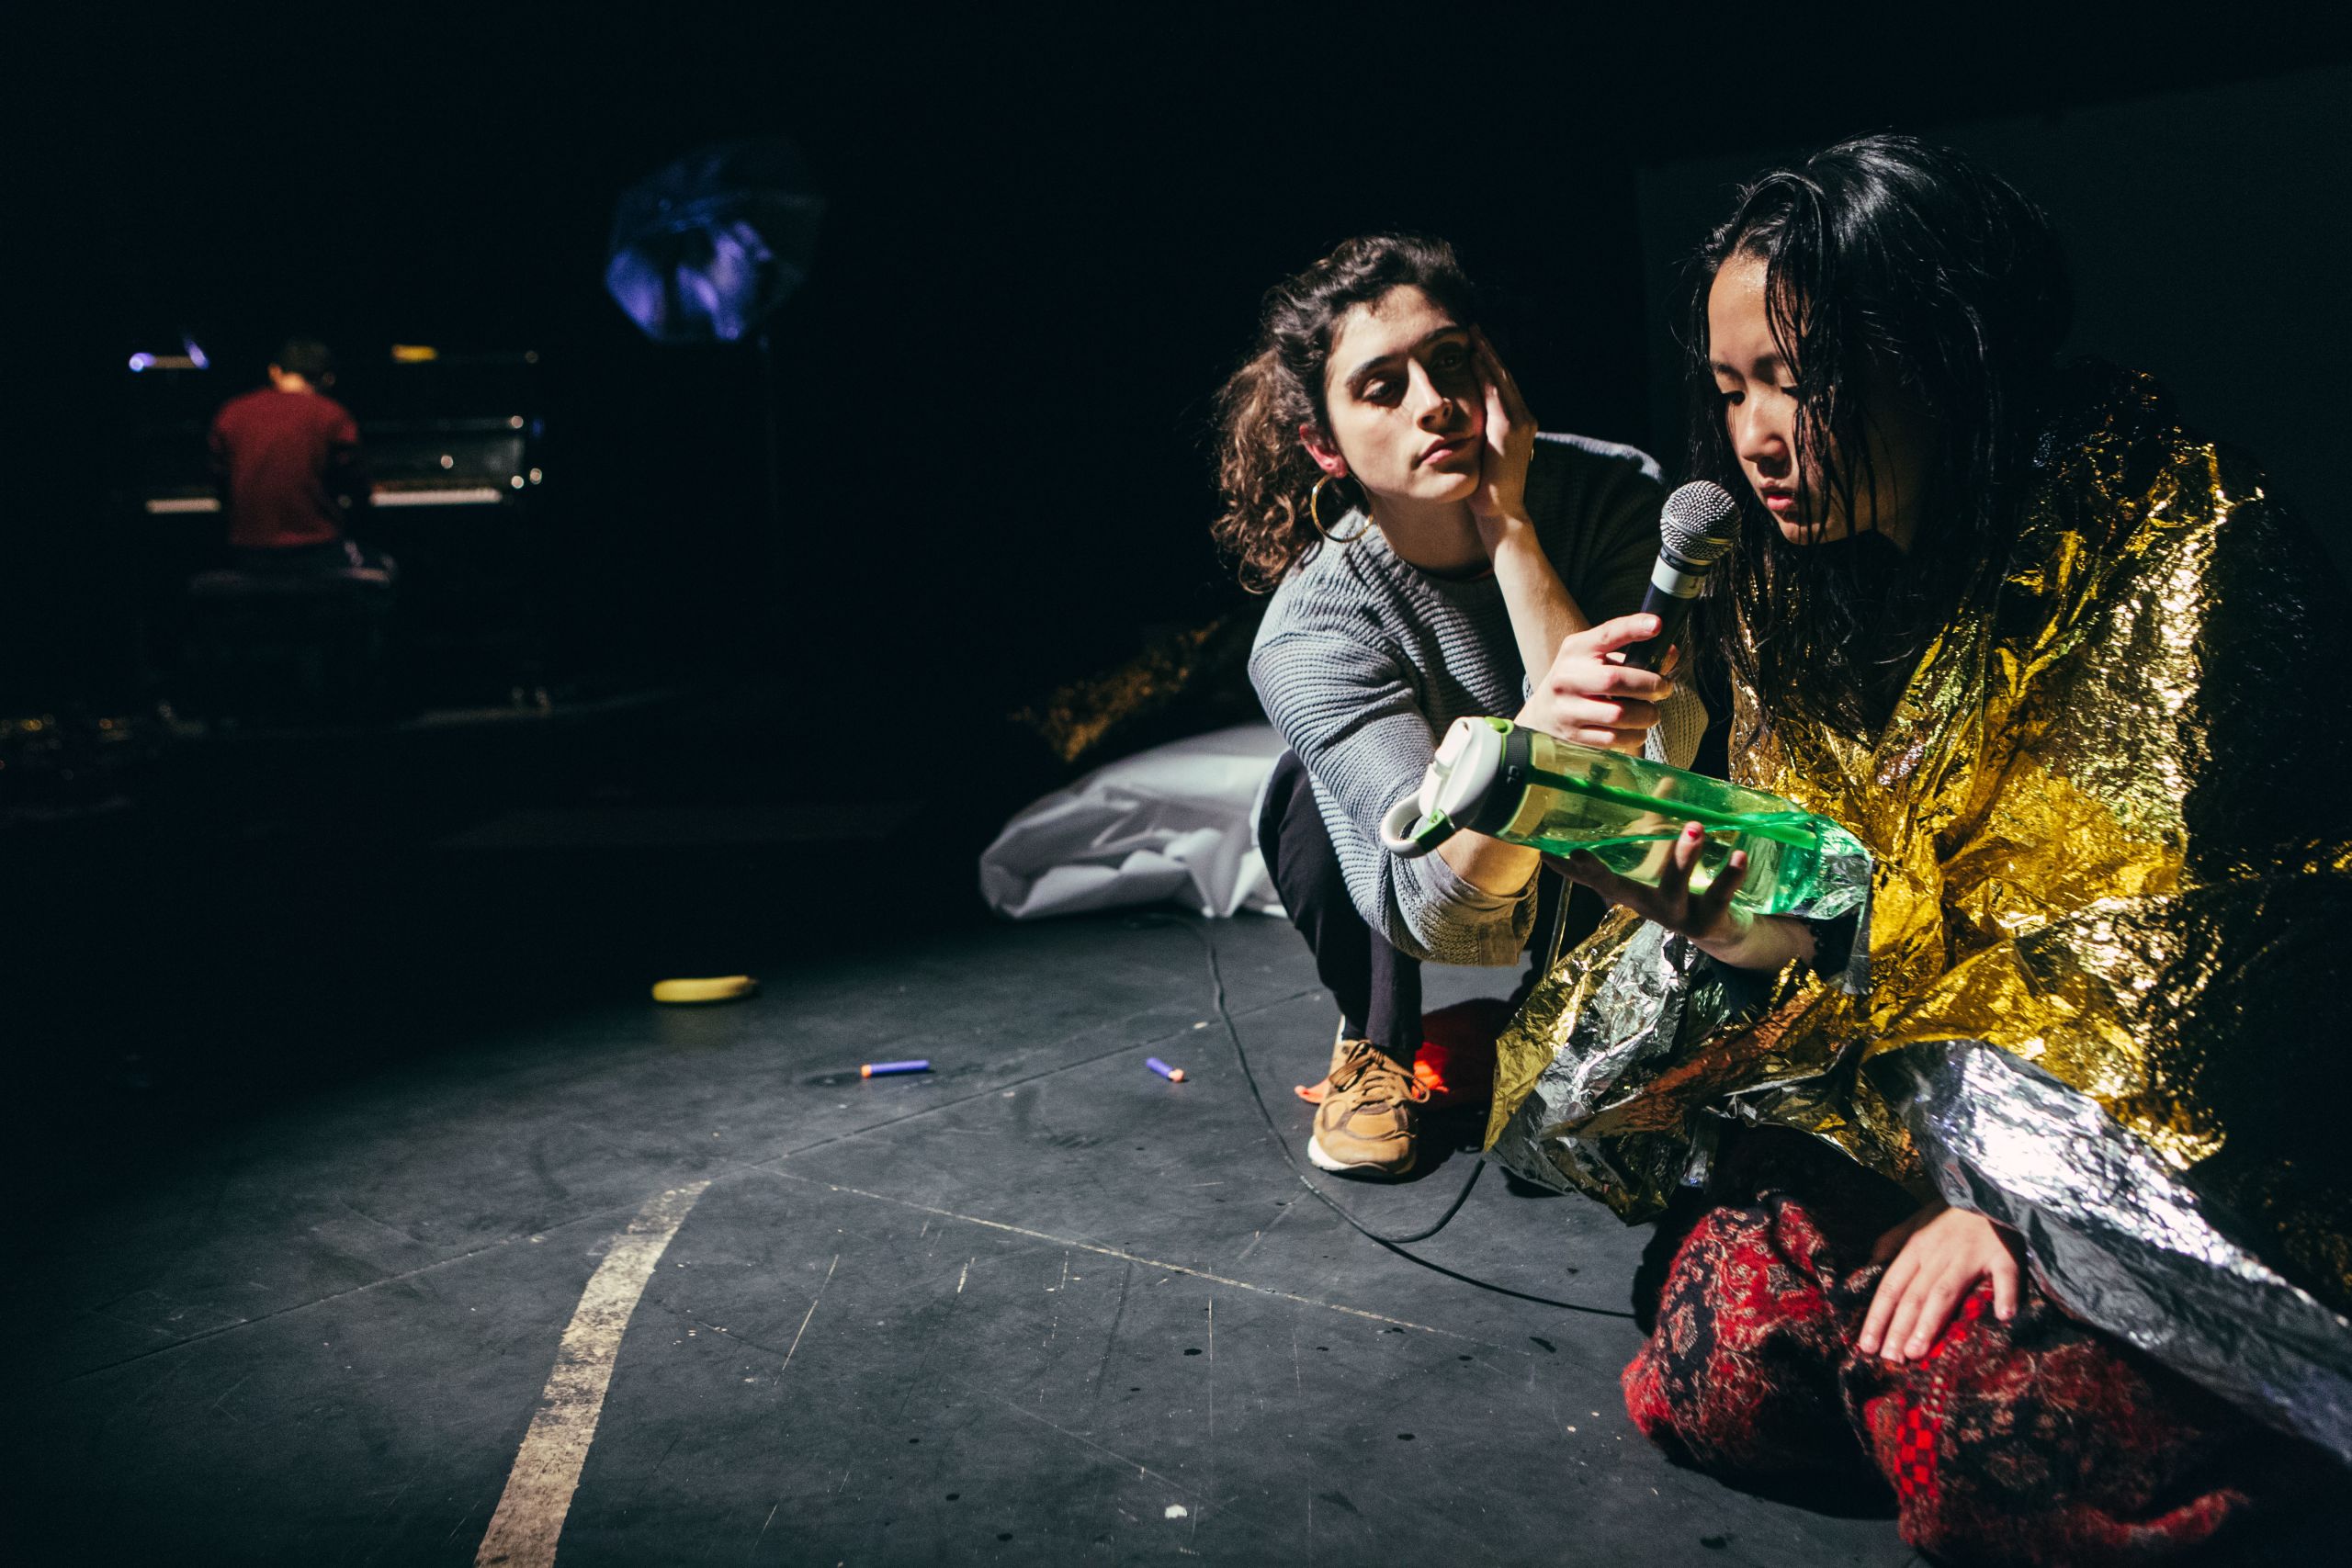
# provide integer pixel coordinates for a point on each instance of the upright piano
(452, 445)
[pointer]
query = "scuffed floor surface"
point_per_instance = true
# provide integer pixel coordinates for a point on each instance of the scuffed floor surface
(1038, 1306)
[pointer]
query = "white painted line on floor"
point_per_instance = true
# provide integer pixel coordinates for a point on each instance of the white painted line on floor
(547, 1468)
(1173, 1270)
(804, 1322)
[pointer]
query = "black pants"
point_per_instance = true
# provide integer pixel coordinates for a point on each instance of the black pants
(1377, 988)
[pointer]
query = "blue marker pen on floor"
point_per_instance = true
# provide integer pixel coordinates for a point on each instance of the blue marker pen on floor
(1173, 1074)
(884, 1069)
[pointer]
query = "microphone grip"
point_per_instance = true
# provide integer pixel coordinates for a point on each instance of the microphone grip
(1672, 611)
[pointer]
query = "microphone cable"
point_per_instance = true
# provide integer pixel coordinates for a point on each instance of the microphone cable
(1396, 1244)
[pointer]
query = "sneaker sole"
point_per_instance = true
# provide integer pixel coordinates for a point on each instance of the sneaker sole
(1322, 1161)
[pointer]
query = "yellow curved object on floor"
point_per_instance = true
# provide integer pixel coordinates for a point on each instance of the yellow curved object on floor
(720, 989)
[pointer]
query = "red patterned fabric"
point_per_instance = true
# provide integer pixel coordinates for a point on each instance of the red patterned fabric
(2034, 1441)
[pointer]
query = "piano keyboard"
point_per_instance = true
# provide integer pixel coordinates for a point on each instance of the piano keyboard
(454, 495)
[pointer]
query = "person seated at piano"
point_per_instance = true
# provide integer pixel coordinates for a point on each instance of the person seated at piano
(286, 460)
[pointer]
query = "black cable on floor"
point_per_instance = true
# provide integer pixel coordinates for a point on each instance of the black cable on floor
(1394, 1244)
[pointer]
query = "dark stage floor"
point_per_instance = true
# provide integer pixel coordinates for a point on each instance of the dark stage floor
(1040, 1306)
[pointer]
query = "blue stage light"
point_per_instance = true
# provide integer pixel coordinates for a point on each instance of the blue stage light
(706, 249)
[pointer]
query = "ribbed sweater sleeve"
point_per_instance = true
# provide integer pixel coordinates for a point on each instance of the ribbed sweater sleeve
(1357, 723)
(1362, 661)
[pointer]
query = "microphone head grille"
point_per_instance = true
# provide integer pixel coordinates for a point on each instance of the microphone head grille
(1699, 522)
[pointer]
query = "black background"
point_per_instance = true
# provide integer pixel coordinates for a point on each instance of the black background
(1046, 238)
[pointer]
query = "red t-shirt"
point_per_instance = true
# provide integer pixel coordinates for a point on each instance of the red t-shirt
(280, 458)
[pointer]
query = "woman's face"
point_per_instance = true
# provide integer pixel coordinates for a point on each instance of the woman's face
(1406, 410)
(1760, 409)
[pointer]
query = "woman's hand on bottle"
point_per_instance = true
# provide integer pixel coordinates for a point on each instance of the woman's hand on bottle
(1590, 695)
(1939, 1255)
(1707, 918)
(1724, 933)
(1500, 501)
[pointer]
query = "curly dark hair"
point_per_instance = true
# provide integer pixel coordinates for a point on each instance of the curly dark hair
(1891, 268)
(1264, 474)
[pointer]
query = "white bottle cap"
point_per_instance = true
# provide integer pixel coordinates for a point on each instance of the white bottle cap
(1465, 766)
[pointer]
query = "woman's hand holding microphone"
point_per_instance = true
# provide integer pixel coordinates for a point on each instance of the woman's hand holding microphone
(1582, 688)
(1583, 693)
(1590, 695)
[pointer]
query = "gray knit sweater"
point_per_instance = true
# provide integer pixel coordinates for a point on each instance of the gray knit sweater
(1362, 661)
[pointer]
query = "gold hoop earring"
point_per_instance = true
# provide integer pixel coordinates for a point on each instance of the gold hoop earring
(1315, 513)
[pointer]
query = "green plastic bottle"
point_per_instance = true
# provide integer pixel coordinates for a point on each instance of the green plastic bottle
(1527, 787)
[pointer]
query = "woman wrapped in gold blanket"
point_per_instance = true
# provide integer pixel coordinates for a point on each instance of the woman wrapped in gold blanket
(2019, 1175)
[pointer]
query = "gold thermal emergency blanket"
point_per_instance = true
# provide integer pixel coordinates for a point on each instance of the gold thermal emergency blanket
(2099, 991)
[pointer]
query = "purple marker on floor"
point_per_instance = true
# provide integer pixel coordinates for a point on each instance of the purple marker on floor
(1173, 1074)
(884, 1069)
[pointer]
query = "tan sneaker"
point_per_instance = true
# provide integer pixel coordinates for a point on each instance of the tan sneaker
(1366, 1124)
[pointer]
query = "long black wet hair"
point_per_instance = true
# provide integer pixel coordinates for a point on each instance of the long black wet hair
(1895, 270)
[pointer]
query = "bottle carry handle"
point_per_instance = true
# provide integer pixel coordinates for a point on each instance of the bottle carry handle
(1408, 834)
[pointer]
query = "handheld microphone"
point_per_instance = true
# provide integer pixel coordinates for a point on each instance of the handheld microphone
(1695, 530)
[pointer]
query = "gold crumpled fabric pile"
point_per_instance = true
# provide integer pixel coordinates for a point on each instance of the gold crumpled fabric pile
(1085, 715)
(2108, 923)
